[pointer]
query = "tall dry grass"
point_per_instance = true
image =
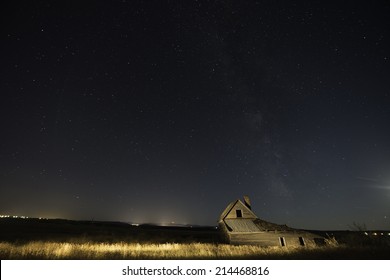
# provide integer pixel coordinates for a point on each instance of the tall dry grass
(54, 250)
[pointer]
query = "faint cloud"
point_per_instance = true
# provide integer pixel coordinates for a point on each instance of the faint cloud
(374, 183)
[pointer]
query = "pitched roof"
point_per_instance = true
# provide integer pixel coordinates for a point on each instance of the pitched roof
(266, 226)
(241, 225)
(227, 210)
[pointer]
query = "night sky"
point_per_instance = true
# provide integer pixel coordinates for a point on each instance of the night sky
(166, 111)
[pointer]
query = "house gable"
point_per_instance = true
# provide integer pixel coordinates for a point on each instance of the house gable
(238, 210)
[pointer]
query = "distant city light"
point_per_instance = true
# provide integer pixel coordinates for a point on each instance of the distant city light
(14, 217)
(20, 217)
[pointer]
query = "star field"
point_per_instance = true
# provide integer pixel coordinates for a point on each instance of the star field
(161, 111)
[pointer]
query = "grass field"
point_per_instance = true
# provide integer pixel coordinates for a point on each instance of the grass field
(61, 239)
(65, 250)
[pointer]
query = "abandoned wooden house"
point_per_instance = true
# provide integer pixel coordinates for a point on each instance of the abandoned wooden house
(239, 225)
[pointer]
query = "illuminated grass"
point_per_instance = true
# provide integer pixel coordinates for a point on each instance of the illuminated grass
(121, 250)
(53, 250)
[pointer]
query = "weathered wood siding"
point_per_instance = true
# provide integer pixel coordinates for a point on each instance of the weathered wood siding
(224, 232)
(246, 213)
(255, 238)
(272, 238)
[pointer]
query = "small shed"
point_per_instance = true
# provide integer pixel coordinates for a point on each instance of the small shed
(240, 225)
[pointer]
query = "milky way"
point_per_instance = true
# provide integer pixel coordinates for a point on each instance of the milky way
(160, 111)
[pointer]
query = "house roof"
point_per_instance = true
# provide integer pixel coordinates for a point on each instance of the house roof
(267, 226)
(227, 210)
(241, 225)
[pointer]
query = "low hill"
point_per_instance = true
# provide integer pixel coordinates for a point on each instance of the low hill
(60, 230)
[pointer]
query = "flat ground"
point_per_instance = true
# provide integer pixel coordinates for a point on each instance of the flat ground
(65, 239)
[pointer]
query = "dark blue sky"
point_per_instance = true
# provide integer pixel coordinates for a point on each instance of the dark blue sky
(161, 111)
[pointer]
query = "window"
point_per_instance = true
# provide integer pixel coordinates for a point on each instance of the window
(301, 241)
(282, 241)
(239, 213)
